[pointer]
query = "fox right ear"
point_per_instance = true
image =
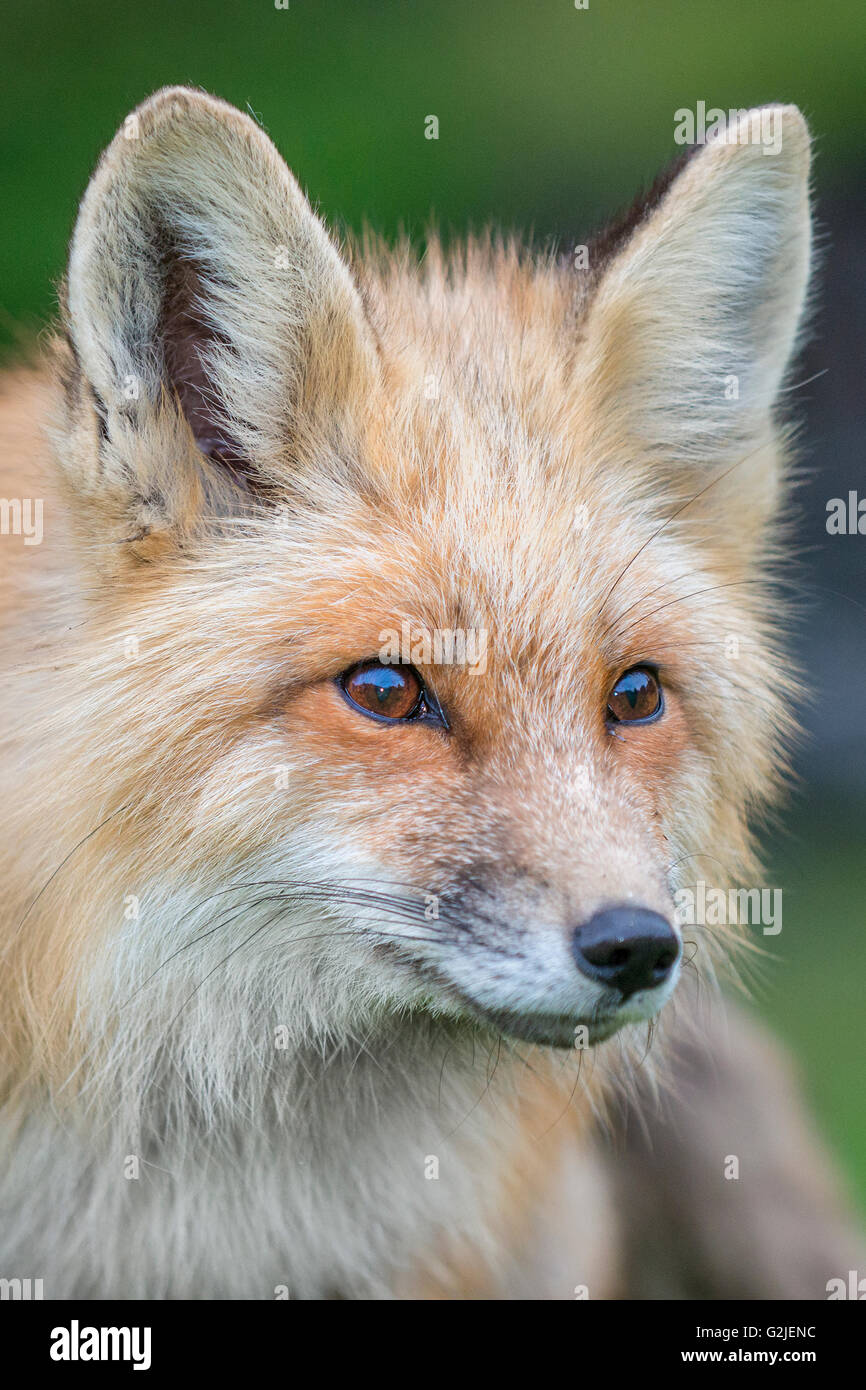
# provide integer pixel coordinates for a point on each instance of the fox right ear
(214, 328)
(695, 317)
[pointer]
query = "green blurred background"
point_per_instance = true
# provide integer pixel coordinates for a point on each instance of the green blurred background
(550, 118)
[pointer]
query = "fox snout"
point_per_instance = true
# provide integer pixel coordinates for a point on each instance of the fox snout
(506, 942)
(626, 948)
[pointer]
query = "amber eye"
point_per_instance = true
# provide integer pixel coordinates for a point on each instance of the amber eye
(636, 697)
(386, 692)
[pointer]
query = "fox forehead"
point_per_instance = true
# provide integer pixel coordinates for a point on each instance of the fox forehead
(523, 587)
(487, 324)
(476, 495)
(478, 401)
(471, 492)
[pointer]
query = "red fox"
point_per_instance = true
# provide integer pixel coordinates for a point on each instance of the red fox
(369, 698)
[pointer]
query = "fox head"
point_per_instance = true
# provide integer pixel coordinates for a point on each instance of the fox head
(426, 633)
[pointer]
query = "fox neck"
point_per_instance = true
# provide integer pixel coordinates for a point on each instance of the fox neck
(337, 1176)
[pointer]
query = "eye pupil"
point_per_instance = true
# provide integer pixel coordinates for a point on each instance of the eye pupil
(636, 697)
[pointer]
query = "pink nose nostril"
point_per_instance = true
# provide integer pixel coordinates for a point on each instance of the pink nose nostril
(627, 948)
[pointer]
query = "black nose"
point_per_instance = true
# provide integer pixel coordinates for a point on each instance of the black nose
(628, 948)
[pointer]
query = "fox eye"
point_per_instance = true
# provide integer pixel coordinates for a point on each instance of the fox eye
(636, 698)
(391, 693)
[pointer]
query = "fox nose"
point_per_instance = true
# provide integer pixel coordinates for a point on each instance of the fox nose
(628, 948)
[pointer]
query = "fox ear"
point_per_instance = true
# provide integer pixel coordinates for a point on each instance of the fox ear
(694, 319)
(214, 327)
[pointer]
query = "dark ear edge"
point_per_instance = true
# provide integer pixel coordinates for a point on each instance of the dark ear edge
(606, 244)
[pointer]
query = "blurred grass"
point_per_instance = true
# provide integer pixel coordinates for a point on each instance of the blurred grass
(549, 118)
(814, 988)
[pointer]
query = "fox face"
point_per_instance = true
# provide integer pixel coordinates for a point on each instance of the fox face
(428, 638)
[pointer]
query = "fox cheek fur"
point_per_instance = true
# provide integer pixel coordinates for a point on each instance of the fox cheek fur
(250, 481)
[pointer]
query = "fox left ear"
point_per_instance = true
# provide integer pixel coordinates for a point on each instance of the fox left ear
(217, 336)
(694, 319)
